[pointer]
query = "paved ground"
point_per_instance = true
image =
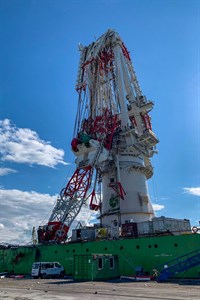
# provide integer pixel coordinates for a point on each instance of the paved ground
(40, 289)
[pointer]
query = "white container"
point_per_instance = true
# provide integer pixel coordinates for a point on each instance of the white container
(145, 228)
(81, 234)
(175, 226)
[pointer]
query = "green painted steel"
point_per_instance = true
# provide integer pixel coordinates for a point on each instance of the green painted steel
(95, 267)
(83, 267)
(147, 252)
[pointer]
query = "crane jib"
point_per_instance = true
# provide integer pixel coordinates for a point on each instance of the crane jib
(112, 138)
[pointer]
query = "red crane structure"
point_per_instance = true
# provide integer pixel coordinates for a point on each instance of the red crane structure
(112, 122)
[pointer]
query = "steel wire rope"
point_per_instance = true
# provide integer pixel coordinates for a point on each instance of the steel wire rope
(99, 105)
(109, 84)
(86, 205)
(90, 215)
(94, 188)
(198, 101)
(155, 190)
(76, 128)
(84, 109)
(77, 119)
(114, 103)
(92, 93)
(115, 89)
(109, 95)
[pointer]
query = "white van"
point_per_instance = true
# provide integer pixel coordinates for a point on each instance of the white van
(47, 269)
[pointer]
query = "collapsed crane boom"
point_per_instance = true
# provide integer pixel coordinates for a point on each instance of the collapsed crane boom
(112, 121)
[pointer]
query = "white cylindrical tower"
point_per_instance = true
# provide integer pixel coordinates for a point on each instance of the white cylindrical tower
(132, 204)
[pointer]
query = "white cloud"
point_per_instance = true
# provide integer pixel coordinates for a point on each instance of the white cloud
(6, 171)
(158, 207)
(195, 191)
(22, 145)
(22, 210)
(1, 226)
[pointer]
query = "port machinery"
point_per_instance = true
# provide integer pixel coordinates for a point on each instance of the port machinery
(113, 142)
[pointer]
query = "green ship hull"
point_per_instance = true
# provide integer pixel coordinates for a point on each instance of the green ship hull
(148, 252)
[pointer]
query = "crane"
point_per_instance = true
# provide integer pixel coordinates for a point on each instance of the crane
(112, 137)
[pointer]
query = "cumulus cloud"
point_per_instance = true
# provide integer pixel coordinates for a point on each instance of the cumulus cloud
(6, 171)
(1, 226)
(195, 191)
(22, 210)
(22, 145)
(158, 207)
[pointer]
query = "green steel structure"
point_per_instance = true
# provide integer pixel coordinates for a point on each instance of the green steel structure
(148, 252)
(95, 267)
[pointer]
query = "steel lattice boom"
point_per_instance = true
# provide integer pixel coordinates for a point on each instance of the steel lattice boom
(112, 132)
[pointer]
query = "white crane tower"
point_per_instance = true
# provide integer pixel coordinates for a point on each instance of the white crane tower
(113, 142)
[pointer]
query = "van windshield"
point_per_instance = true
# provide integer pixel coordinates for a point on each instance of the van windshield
(36, 265)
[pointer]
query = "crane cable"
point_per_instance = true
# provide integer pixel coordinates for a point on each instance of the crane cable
(155, 190)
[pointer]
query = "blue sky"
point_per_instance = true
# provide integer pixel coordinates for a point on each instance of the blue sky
(39, 60)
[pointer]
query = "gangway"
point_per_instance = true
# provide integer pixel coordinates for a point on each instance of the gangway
(178, 265)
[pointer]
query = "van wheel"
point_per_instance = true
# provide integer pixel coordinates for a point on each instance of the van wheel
(62, 274)
(44, 275)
